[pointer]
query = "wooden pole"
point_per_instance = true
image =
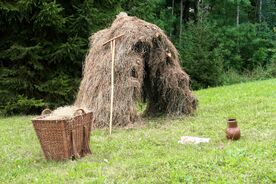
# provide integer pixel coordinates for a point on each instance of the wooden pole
(112, 46)
(110, 40)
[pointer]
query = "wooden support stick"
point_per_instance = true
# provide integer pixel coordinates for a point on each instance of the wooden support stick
(113, 39)
(112, 45)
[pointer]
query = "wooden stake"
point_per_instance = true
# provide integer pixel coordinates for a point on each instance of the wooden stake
(113, 39)
(112, 46)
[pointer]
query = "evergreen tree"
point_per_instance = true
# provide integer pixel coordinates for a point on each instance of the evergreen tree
(43, 44)
(200, 56)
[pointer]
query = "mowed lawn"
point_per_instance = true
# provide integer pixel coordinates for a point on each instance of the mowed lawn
(149, 153)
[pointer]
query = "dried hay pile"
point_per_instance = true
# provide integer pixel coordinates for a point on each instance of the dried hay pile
(146, 68)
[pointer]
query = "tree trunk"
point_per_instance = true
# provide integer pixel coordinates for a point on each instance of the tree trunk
(172, 15)
(186, 4)
(260, 10)
(196, 8)
(238, 13)
(238, 23)
(181, 21)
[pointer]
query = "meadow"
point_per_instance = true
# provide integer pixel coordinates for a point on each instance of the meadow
(150, 152)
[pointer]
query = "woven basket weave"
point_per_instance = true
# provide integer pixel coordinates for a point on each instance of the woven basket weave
(64, 139)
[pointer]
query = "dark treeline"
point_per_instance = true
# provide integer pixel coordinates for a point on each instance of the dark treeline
(43, 43)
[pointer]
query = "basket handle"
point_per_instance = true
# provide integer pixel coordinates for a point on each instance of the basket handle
(46, 111)
(76, 112)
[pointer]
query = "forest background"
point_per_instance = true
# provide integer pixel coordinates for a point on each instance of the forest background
(43, 43)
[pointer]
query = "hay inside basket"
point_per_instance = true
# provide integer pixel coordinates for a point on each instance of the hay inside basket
(65, 113)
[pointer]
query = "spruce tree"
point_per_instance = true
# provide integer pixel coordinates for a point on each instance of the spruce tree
(43, 44)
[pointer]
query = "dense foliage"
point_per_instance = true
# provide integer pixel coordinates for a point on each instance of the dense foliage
(43, 43)
(201, 57)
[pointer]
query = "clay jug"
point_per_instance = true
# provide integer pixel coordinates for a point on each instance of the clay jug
(233, 131)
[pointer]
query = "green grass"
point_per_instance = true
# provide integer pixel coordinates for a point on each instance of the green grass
(150, 153)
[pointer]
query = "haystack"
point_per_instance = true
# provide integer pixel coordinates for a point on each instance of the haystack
(146, 69)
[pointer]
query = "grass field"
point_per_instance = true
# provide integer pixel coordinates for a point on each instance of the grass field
(150, 153)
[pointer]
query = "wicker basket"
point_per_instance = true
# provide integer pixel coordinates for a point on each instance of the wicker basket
(64, 139)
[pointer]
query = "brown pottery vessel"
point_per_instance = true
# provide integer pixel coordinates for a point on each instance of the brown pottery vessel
(233, 131)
